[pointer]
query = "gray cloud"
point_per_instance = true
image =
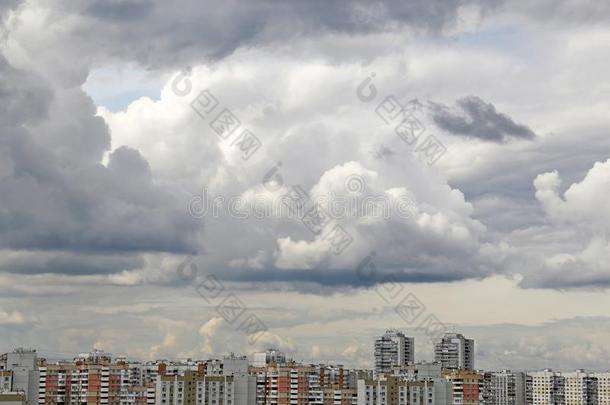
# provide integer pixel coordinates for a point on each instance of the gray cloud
(69, 263)
(383, 152)
(560, 11)
(564, 344)
(8, 5)
(46, 206)
(479, 119)
(119, 10)
(324, 279)
(159, 34)
(576, 274)
(56, 196)
(25, 96)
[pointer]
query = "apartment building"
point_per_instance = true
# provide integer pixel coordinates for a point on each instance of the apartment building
(145, 374)
(393, 349)
(397, 390)
(333, 375)
(7, 396)
(506, 388)
(353, 375)
(288, 384)
(19, 374)
(196, 388)
(214, 382)
(337, 395)
(603, 388)
(465, 387)
(92, 379)
(455, 352)
(74, 384)
(548, 388)
(580, 388)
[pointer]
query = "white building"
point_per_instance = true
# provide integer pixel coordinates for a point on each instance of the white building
(547, 388)
(580, 388)
(393, 349)
(215, 382)
(193, 388)
(505, 388)
(394, 390)
(455, 352)
(262, 359)
(603, 388)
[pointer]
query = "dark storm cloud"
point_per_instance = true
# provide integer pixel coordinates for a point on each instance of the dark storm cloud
(438, 267)
(55, 196)
(158, 33)
(560, 11)
(120, 10)
(41, 262)
(6, 5)
(349, 277)
(161, 34)
(46, 206)
(478, 119)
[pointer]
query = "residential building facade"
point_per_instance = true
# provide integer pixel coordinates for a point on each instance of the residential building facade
(393, 349)
(465, 387)
(505, 388)
(580, 388)
(396, 390)
(548, 388)
(455, 352)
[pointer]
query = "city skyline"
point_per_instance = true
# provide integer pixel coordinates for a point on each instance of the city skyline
(270, 378)
(261, 359)
(391, 350)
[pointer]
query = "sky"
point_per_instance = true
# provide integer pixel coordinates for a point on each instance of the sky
(188, 179)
